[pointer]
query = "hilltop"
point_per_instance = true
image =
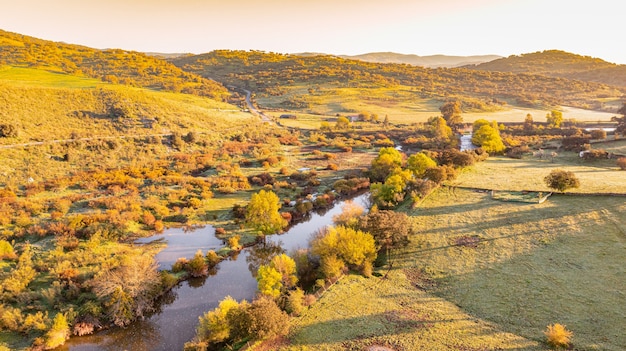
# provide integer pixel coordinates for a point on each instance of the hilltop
(111, 65)
(556, 63)
(293, 81)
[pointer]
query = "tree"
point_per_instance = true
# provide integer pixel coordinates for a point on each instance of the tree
(262, 213)
(286, 266)
(390, 229)
(351, 246)
(479, 123)
(342, 123)
(489, 139)
(598, 134)
(554, 118)
(441, 132)
(269, 281)
(295, 302)
(528, 123)
(391, 192)
(265, 319)
(561, 180)
(6, 250)
(349, 215)
(451, 112)
(213, 326)
(128, 290)
(58, 333)
(621, 121)
(418, 164)
(385, 163)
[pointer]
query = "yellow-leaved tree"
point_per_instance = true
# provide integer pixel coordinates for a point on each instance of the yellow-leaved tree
(262, 213)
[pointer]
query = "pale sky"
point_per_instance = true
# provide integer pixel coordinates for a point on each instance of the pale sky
(421, 27)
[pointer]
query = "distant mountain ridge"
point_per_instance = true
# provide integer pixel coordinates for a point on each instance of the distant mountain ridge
(557, 63)
(430, 61)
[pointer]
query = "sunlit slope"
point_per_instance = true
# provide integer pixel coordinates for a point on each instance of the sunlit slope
(563, 64)
(44, 106)
(112, 65)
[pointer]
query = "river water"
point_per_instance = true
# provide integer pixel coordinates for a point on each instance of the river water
(466, 142)
(175, 321)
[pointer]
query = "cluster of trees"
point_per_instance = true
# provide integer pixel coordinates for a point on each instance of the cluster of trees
(393, 177)
(487, 136)
(286, 283)
(89, 215)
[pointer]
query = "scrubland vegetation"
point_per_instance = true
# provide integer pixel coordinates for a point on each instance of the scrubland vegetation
(100, 148)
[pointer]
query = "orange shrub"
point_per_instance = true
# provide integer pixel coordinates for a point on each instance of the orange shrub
(558, 336)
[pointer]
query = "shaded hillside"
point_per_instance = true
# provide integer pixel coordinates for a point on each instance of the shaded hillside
(116, 66)
(432, 61)
(271, 73)
(562, 64)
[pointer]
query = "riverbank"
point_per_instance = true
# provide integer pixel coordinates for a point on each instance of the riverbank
(176, 318)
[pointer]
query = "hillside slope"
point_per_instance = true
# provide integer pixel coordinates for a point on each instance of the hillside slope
(115, 66)
(272, 74)
(561, 64)
(48, 106)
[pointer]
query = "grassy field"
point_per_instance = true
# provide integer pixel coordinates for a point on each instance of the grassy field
(485, 275)
(402, 104)
(37, 77)
(501, 173)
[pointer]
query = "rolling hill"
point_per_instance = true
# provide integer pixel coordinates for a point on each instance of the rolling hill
(555, 63)
(279, 75)
(115, 66)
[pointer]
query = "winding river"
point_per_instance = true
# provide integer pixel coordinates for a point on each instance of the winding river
(177, 313)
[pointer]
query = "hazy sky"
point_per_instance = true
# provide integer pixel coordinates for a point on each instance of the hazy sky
(422, 27)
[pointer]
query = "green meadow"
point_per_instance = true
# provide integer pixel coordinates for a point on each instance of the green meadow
(484, 274)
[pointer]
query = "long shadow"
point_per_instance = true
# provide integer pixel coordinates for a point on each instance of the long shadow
(392, 324)
(573, 280)
(517, 218)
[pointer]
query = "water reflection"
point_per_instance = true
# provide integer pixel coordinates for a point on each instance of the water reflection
(261, 254)
(183, 242)
(174, 321)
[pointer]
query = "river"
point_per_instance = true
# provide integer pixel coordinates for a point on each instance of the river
(466, 142)
(175, 321)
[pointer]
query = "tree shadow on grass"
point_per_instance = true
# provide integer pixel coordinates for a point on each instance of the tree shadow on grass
(389, 327)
